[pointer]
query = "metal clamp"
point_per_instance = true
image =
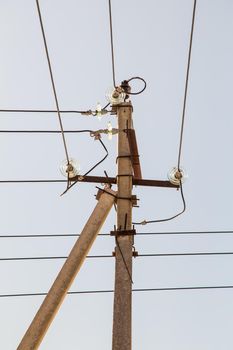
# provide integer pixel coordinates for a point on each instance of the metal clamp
(117, 233)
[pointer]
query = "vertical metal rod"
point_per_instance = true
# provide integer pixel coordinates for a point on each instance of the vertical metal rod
(123, 268)
(47, 311)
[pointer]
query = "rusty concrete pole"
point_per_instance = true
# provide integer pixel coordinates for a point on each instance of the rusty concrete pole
(123, 251)
(47, 311)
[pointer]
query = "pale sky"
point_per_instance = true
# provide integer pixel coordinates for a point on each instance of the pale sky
(151, 41)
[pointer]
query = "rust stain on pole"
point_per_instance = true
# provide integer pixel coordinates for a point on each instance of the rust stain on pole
(47, 311)
(134, 153)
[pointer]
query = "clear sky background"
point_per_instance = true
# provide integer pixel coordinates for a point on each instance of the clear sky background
(151, 40)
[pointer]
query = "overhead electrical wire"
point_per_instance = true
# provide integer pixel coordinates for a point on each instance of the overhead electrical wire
(51, 257)
(62, 181)
(48, 235)
(144, 222)
(43, 131)
(112, 44)
(15, 295)
(83, 112)
(113, 56)
(140, 91)
(107, 235)
(23, 258)
(39, 111)
(52, 80)
(184, 254)
(185, 233)
(186, 85)
(58, 109)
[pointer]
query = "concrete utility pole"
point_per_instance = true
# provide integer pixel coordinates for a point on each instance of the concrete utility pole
(41, 322)
(124, 238)
(129, 174)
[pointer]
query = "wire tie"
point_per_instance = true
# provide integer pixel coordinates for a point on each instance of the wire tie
(125, 156)
(119, 175)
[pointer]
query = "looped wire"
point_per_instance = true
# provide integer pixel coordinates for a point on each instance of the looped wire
(138, 92)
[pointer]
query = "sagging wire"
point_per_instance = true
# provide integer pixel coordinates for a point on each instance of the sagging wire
(144, 222)
(179, 173)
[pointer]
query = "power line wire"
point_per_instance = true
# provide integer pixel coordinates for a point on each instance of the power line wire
(186, 84)
(87, 112)
(144, 222)
(184, 254)
(111, 256)
(52, 80)
(48, 235)
(51, 257)
(62, 181)
(32, 181)
(40, 111)
(44, 131)
(112, 291)
(183, 233)
(107, 235)
(111, 39)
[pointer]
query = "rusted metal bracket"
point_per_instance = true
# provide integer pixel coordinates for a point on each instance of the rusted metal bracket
(117, 233)
(134, 253)
(113, 180)
(134, 200)
(119, 175)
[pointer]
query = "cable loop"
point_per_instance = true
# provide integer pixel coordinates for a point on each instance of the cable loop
(138, 92)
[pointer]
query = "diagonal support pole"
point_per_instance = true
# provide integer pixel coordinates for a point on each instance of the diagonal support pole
(47, 311)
